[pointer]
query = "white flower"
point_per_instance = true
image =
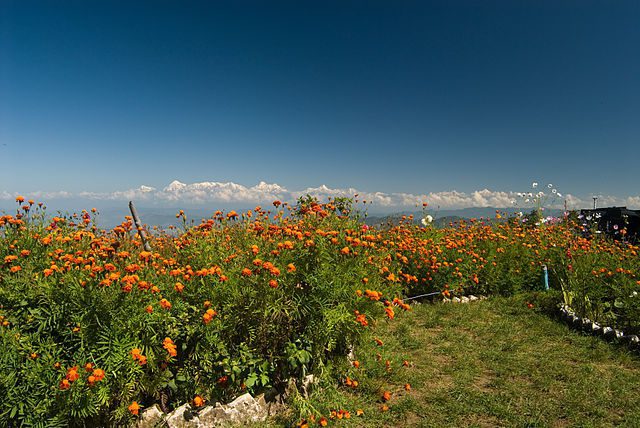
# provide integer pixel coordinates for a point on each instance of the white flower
(559, 195)
(554, 191)
(534, 184)
(549, 186)
(425, 221)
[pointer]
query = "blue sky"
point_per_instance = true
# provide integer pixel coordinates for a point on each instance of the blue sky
(417, 97)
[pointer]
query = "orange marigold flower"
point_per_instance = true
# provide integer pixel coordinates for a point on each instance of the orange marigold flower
(291, 267)
(98, 374)
(273, 283)
(359, 412)
(246, 272)
(19, 199)
(65, 384)
(134, 408)
(361, 318)
(345, 250)
(165, 304)
(179, 287)
(170, 346)
(389, 311)
(208, 316)
(88, 367)
(323, 422)
(407, 387)
(198, 401)
(386, 396)
(373, 295)
(72, 374)
(149, 309)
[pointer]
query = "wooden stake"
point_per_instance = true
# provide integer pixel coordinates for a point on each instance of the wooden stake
(138, 223)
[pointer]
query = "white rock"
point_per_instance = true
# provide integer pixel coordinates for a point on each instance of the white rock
(464, 299)
(151, 417)
(445, 300)
(351, 356)
(262, 403)
(210, 415)
(182, 418)
(249, 408)
(455, 300)
(307, 384)
(472, 298)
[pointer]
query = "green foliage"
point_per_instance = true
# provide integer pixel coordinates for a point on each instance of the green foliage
(89, 322)
(247, 302)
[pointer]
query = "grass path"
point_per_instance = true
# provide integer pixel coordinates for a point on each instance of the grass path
(487, 364)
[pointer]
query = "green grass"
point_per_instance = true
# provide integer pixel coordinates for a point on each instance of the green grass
(484, 364)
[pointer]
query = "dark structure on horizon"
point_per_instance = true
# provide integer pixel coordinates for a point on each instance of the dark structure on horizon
(612, 221)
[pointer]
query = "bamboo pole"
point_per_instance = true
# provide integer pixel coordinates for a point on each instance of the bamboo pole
(138, 223)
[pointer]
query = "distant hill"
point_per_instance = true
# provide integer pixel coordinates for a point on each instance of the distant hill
(110, 216)
(443, 218)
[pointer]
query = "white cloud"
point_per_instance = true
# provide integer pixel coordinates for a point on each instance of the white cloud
(38, 195)
(632, 202)
(223, 192)
(143, 192)
(178, 193)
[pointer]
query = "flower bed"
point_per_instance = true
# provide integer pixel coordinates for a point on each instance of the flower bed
(94, 328)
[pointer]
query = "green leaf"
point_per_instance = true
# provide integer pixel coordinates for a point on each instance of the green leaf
(251, 380)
